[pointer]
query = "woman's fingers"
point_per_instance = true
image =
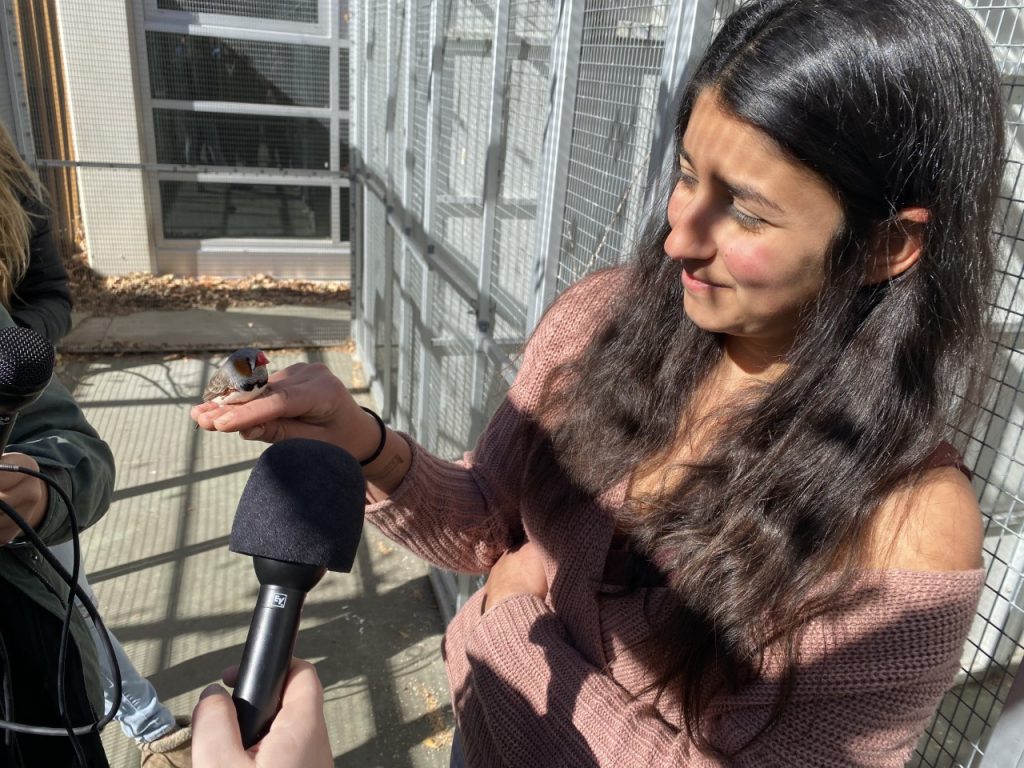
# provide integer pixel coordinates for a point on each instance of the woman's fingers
(516, 572)
(297, 737)
(302, 401)
(301, 391)
(276, 404)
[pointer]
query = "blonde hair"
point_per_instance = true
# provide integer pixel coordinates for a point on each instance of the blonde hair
(17, 184)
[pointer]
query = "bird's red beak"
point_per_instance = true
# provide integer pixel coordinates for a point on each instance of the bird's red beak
(261, 359)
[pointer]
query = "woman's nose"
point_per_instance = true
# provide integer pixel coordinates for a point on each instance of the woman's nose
(689, 220)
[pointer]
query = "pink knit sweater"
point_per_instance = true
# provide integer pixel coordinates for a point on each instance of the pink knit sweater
(554, 682)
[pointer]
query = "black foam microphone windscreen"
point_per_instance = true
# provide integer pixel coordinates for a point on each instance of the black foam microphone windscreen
(303, 503)
(301, 513)
(26, 366)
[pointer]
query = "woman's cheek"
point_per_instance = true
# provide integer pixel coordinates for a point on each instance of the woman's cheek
(752, 266)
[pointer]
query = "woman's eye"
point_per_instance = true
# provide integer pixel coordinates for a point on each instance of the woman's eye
(745, 220)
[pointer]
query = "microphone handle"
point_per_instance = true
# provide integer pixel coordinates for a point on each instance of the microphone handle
(265, 660)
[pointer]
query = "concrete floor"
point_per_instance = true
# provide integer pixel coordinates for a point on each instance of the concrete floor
(180, 602)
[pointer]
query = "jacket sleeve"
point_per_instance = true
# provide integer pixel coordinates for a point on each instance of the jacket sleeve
(42, 300)
(864, 692)
(54, 431)
(463, 515)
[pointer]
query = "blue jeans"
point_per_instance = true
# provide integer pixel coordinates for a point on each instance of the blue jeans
(141, 714)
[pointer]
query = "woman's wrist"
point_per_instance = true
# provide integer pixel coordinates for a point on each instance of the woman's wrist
(385, 472)
(381, 439)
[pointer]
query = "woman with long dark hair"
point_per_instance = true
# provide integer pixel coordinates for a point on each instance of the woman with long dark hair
(722, 522)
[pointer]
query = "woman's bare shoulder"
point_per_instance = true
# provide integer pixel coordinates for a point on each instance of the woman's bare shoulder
(934, 526)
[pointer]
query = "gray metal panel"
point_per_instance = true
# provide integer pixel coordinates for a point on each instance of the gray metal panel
(464, 109)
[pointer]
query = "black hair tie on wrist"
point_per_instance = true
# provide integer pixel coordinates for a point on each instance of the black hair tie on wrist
(383, 437)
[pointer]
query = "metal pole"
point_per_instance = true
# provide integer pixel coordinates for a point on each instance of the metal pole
(687, 32)
(384, 329)
(357, 66)
(565, 60)
(400, 412)
(493, 170)
(426, 428)
(334, 125)
(22, 128)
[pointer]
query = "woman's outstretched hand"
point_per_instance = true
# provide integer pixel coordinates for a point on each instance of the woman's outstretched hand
(304, 400)
(297, 737)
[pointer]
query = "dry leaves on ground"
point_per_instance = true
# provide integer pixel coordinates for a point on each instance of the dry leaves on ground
(140, 292)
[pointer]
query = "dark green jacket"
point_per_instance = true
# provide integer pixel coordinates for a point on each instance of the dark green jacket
(54, 431)
(42, 300)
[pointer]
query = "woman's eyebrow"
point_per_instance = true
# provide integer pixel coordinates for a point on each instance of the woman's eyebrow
(737, 191)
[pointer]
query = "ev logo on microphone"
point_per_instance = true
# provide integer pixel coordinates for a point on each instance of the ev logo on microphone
(279, 599)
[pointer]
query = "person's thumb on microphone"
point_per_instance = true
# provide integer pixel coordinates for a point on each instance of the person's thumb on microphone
(297, 738)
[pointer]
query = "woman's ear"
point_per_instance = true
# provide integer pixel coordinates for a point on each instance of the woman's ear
(898, 245)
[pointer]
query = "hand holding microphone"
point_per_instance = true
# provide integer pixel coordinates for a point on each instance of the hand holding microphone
(28, 495)
(297, 738)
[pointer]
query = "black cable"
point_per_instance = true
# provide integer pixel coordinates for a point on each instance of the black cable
(65, 637)
(62, 707)
(79, 593)
(76, 591)
(69, 730)
(5, 682)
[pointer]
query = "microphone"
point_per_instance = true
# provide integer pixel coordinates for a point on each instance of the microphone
(301, 514)
(26, 366)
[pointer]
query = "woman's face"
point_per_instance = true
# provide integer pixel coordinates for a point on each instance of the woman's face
(750, 227)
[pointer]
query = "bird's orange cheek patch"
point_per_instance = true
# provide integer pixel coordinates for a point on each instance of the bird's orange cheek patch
(242, 367)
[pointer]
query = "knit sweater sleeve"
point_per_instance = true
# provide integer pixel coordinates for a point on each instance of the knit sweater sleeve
(863, 694)
(462, 515)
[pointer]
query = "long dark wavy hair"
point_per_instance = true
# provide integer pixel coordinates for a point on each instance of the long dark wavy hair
(893, 104)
